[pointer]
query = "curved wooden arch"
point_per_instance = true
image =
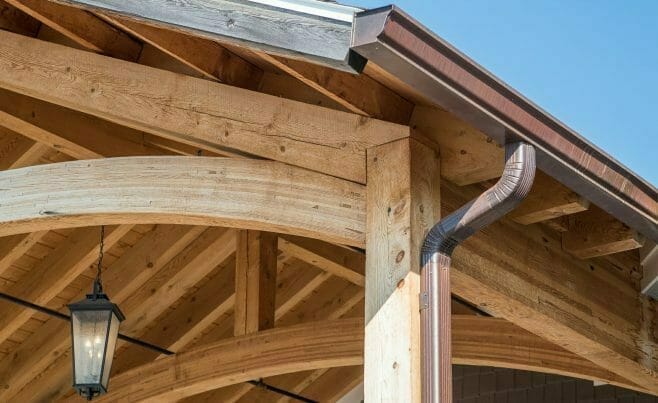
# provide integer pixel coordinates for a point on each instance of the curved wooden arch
(495, 342)
(272, 352)
(243, 193)
(477, 340)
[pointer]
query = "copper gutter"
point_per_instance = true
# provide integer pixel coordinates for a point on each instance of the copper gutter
(440, 242)
(441, 74)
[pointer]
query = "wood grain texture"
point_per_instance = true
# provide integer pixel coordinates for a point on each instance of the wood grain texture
(82, 27)
(54, 273)
(403, 203)
(255, 281)
(15, 246)
(596, 233)
(324, 40)
(121, 279)
(520, 273)
(191, 110)
(338, 261)
(271, 352)
(548, 199)
(201, 54)
(183, 190)
(494, 342)
(14, 20)
(60, 127)
(45, 137)
(356, 92)
(17, 151)
(467, 155)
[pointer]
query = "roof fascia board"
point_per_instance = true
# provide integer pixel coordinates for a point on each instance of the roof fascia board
(304, 29)
(402, 46)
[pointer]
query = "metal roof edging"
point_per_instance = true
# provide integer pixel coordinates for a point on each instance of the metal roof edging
(404, 48)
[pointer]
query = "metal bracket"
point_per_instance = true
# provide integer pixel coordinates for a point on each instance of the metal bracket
(424, 300)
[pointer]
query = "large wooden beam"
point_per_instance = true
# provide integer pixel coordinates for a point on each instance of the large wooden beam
(81, 27)
(403, 203)
(183, 190)
(255, 281)
(548, 199)
(121, 279)
(597, 233)
(271, 352)
(495, 342)
(192, 110)
(520, 273)
(67, 131)
(467, 155)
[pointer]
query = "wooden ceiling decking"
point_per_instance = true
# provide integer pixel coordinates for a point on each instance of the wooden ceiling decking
(557, 259)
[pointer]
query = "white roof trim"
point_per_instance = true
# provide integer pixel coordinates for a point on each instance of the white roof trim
(318, 8)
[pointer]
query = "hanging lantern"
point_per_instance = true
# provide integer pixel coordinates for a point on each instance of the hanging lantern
(94, 330)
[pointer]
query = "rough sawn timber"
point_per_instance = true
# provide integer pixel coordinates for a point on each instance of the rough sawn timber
(230, 192)
(191, 110)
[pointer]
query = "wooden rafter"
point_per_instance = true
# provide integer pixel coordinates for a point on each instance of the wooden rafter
(18, 151)
(356, 92)
(54, 273)
(193, 111)
(105, 193)
(201, 54)
(82, 27)
(68, 131)
(14, 20)
(336, 260)
(120, 280)
(11, 248)
(597, 233)
(548, 199)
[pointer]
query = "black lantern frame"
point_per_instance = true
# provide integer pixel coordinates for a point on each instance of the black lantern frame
(95, 302)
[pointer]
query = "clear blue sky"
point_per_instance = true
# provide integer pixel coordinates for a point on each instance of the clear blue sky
(592, 64)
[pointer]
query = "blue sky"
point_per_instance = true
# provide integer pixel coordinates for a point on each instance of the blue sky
(592, 64)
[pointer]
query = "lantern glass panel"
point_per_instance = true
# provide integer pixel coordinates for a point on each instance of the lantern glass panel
(111, 344)
(90, 331)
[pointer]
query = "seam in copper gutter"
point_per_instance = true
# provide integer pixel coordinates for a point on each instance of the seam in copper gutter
(441, 74)
(512, 187)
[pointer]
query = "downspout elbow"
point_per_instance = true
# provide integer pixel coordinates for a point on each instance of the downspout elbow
(512, 187)
(436, 252)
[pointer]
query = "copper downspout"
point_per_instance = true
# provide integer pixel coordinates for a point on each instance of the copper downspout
(504, 196)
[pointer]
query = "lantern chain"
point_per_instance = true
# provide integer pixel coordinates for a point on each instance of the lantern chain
(98, 287)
